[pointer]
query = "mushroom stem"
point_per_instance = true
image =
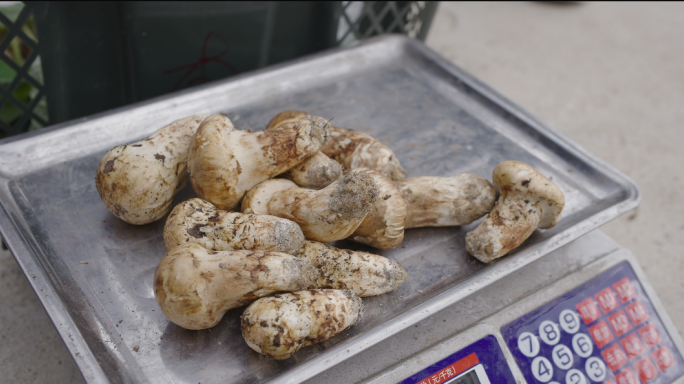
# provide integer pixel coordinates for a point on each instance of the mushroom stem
(446, 201)
(528, 201)
(364, 273)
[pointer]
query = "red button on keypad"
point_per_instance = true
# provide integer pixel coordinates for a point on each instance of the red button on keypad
(620, 323)
(614, 357)
(625, 289)
(601, 334)
(606, 300)
(645, 369)
(663, 358)
(626, 377)
(632, 345)
(637, 312)
(610, 381)
(588, 310)
(650, 335)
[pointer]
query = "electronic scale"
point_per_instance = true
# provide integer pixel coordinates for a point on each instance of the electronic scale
(583, 314)
(570, 306)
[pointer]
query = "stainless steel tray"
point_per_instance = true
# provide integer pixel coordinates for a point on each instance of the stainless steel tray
(438, 119)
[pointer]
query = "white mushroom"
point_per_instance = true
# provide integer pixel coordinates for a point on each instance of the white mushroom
(528, 201)
(279, 326)
(198, 221)
(330, 214)
(195, 287)
(225, 163)
(352, 149)
(383, 227)
(137, 181)
(446, 201)
(364, 273)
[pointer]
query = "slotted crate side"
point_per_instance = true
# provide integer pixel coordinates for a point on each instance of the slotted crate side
(23, 104)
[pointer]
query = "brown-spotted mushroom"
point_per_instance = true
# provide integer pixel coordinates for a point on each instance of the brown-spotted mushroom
(528, 200)
(195, 287)
(364, 273)
(351, 148)
(198, 221)
(330, 214)
(446, 201)
(316, 172)
(225, 163)
(279, 326)
(138, 181)
(383, 227)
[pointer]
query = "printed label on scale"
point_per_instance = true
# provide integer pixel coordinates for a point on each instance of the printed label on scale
(482, 362)
(604, 331)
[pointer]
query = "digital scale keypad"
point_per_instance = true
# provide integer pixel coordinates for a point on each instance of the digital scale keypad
(604, 331)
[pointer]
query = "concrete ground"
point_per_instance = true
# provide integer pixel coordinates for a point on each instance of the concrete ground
(607, 75)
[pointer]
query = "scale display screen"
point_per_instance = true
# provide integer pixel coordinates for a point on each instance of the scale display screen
(604, 331)
(482, 362)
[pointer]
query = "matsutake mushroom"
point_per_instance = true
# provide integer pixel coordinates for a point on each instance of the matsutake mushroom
(198, 221)
(279, 326)
(225, 163)
(195, 287)
(352, 149)
(138, 181)
(528, 201)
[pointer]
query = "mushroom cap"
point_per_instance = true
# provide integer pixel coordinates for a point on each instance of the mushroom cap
(517, 180)
(286, 117)
(383, 227)
(212, 166)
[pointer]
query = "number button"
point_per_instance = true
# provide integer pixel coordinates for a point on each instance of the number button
(582, 345)
(596, 369)
(562, 356)
(575, 376)
(569, 321)
(528, 344)
(542, 369)
(549, 332)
